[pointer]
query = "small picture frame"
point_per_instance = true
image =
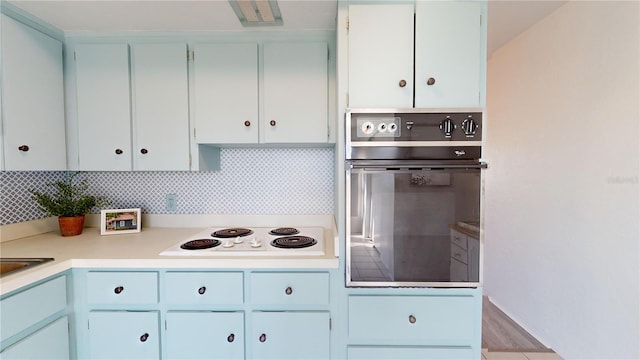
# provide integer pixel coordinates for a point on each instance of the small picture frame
(119, 221)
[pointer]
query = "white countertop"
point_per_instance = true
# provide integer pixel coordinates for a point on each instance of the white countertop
(141, 250)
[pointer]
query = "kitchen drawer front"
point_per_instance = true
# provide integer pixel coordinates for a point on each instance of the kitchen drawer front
(290, 288)
(27, 308)
(438, 320)
(459, 253)
(402, 353)
(191, 288)
(458, 238)
(122, 287)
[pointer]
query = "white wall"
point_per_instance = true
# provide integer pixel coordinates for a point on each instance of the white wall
(561, 221)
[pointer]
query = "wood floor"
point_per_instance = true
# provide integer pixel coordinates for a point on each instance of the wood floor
(500, 333)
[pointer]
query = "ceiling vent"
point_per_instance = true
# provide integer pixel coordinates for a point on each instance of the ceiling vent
(257, 12)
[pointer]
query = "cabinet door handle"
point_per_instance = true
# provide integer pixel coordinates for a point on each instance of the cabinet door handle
(118, 290)
(144, 337)
(402, 83)
(288, 290)
(24, 148)
(202, 290)
(231, 337)
(431, 81)
(118, 151)
(272, 123)
(412, 319)
(247, 123)
(263, 338)
(144, 151)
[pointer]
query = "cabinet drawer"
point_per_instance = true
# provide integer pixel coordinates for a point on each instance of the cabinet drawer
(438, 320)
(398, 353)
(27, 308)
(204, 288)
(290, 288)
(122, 287)
(458, 238)
(459, 253)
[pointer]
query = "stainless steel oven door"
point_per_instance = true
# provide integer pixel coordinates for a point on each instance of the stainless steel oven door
(401, 217)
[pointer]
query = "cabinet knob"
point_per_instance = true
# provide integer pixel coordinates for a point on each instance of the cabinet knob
(247, 123)
(272, 123)
(144, 151)
(431, 81)
(412, 319)
(288, 290)
(144, 337)
(24, 148)
(402, 83)
(231, 337)
(263, 338)
(202, 290)
(118, 290)
(118, 151)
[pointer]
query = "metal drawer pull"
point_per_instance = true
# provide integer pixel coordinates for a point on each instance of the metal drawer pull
(402, 83)
(231, 337)
(202, 290)
(144, 151)
(118, 290)
(412, 319)
(118, 151)
(431, 81)
(263, 338)
(23, 147)
(144, 337)
(288, 290)
(247, 123)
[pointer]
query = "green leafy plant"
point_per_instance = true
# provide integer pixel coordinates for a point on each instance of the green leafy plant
(68, 198)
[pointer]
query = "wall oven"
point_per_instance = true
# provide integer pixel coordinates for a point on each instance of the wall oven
(413, 178)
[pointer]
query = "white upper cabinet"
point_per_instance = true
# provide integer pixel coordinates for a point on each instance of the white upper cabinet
(156, 137)
(448, 51)
(32, 99)
(226, 93)
(448, 45)
(104, 121)
(381, 56)
(295, 93)
(285, 102)
(160, 107)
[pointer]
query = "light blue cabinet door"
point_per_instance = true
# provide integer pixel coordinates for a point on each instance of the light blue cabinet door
(50, 342)
(160, 107)
(124, 335)
(33, 99)
(407, 353)
(295, 93)
(381, 56)
(226, 93)
(103, 102)
(290, 335)
(205, 335)
(449, 42)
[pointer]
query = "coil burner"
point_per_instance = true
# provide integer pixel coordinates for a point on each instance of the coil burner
(200, 244)
(293, 242)
(284, 231)
(232, 233)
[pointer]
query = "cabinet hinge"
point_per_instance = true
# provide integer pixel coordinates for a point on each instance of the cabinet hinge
(480, 20)
(74, 56)
(191, 55)
(189, 166)
(330, 324)
(165, 325)
(194, 133)
(347, 100)
(347, 24)
(88, 327)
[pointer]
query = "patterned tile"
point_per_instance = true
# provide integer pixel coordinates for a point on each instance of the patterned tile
(251, 181)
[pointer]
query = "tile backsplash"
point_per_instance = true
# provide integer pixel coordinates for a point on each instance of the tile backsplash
(251, 181)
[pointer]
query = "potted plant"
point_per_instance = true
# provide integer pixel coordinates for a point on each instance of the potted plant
(69, 201)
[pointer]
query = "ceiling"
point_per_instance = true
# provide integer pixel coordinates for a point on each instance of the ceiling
(507, 19)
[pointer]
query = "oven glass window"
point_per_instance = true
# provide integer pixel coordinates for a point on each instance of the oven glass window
(404, 227)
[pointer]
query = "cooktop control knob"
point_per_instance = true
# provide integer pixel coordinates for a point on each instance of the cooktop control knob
(447, 126)
(469, 126)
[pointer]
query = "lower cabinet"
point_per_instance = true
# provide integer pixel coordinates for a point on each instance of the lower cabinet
(402, 353)
(124, 335)
(204, 335)
(290, 335)
(50, 342)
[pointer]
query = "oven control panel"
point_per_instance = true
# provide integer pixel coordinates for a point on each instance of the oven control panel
(378, 127)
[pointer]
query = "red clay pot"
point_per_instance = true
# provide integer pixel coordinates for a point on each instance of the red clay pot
(71, 225)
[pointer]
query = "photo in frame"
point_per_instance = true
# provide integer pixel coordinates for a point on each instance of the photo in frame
(119, 221)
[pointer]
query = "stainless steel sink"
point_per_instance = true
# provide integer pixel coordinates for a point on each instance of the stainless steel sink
(12, 265)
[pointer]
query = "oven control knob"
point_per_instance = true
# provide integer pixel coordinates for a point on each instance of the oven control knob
(447, 126)
(368, 128)
(469, 126)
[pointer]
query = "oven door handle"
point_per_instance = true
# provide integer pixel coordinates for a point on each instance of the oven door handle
(414, 164)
